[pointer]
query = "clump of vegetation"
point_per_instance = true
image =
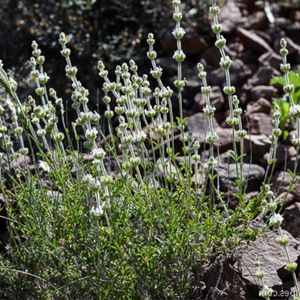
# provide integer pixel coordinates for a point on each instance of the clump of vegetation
(283, 102)
(120, 216)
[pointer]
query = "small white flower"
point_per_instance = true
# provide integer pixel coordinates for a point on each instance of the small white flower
(294, 110)
(276, 220)
(98, 153)
(44, 166)
(91, 134)
(97, 211)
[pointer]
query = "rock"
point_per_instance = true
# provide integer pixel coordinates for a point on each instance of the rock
(289, 199)
(262, 105)
(193, 86)
(223, 282)
(281, 182)
(211, 56)
(216, 99)
(294, 50)
(253, 41)
(193, 43)
(258, 145)
(260, 123)
(263, 76)
(291, 221)
(263, 91)
(270, 59)
(283, 154)
(168, 64)
(228, 174)
(228, 10)
(197, 125)
(257, 21)
(239, 73)
(225, 138)
(272, 258)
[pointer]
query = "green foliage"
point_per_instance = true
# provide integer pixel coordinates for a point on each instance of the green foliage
(283, 103)
(155, 246)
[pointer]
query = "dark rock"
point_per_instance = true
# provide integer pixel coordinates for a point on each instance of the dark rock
(260, 123)
(211, 56)
(168, 64)
(192, 88)
(291, 221)
(283, 154)
(271, 59)
(281, 182)
(216, 99)
(263, 91)
(258, 145)
(263, 76)
(262, 105)
(294, 50)
(229, 23)
(257, 21)
(197, 125)
(253, 174)
(224, 283)
(253, 41)
(239, 73)
(193, 43)
(225, 138)
(289, 199)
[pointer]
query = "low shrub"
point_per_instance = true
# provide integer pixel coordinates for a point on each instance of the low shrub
(120, 216)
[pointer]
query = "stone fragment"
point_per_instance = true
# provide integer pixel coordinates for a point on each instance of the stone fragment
(270, 59)
(252, 173)
(193, 43)
(216, 99)
(239, 73)
(291, 222)
(198, 128)
(263, 91)
(281, 183)
(253, 41)
(257, 21)
(262, 76)
(260, 123)
(229, 24)
(257, 146)
(197, 125)
(262, 105)
(272, 258)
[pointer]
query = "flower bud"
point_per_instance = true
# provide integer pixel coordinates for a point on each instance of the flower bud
(283, 240)
(220, 43)
(65, 52)
(291, 267)
(229, 90)
(180, 84)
